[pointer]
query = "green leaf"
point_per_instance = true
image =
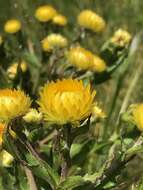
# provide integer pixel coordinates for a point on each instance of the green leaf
(22, 180)
(140, 187)
(7, 181)
(71, 182)
(32, 59)
(76, 148)
(43, 170)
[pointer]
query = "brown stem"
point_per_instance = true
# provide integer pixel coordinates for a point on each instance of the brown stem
(30, 177)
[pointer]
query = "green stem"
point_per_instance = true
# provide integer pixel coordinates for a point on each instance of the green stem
(66, 152)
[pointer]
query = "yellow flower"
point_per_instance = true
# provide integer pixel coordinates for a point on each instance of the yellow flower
(137, 112)
(99, 64)
(45, 13)
(59, 20)
(97, 112)
(80, 57)
(53, 41)
(12, 26)
(32, 116)
(66, 101)
(121, 38)
(85, 60)
(1, 39)
(13, 103)
(12, 70)
(2, 128)
(90, 20)
(6, 159)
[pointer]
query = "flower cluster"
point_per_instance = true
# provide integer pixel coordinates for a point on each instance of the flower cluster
(84, 59)
(48, 13)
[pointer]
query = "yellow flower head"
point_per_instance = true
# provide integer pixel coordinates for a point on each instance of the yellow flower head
(121, 38)
(99, 64)
(90, 20)
(13, 103)
(12, 26)
(80, 57)
(59, 20)
(6, 159)
(66, 101)
(45, 13)
(12, 70)
(2, 128)
(137, 112)
(32, 116)
(53, 41)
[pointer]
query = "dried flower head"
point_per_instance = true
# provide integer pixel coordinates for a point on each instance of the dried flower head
(66, 101)
(12, 26)
(45, 13)
(90, 20)
(13, 103)
(121, 38)
(54, 41)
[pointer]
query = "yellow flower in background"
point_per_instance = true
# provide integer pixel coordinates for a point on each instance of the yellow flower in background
(97, 112)
(59, 20)
(80, 57)
(32, 116)
(45, 13)
(121, 38)
(2, 128)
(1, 39)
(99, 64)
(66, 101)
(6, 159)
(90, 20)
(12, 70)
(137, 112)
(54, 41)
(84, 59)
(13, 103)
(12, 26)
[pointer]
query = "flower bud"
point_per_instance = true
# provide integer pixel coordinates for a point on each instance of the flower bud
(6, 159)
(32, 116)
